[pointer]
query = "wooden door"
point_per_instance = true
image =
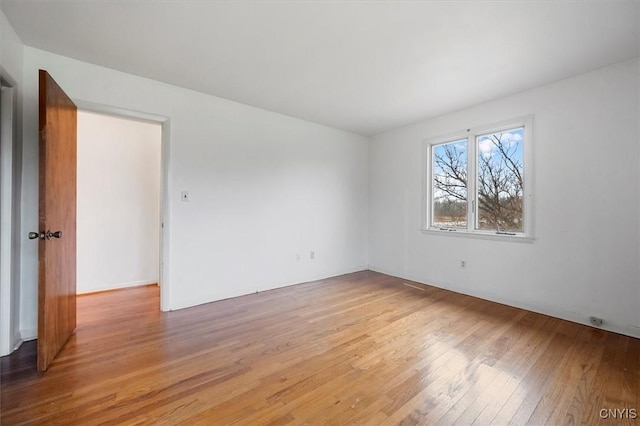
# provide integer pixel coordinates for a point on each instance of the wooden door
(57, 233)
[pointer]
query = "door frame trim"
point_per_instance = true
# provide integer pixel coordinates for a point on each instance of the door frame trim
(8, 213)
(165, 234)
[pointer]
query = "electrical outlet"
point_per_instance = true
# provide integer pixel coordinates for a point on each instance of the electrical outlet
(463, 264)
(595, 321)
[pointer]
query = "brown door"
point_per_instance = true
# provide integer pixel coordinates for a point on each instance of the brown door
(57, 233)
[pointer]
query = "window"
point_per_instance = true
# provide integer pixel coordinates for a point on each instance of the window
(478, 182)
(450, 184)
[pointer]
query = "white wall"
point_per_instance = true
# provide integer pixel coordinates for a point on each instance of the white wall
(263, 187)
(11, 60)
(118, 218)
(584, 260)
(11, 51)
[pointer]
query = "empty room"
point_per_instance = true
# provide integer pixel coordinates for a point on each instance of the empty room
(361, 212)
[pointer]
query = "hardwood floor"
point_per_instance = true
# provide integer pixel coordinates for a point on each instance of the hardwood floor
(358, 349)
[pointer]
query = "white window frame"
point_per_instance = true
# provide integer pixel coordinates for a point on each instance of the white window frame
(471, 136)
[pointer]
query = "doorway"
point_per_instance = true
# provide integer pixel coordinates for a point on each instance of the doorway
(119, 224)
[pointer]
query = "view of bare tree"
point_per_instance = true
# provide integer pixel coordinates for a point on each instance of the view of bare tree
(450, 182)
(499, 182)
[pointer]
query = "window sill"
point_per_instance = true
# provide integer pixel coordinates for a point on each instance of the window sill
(480, 235)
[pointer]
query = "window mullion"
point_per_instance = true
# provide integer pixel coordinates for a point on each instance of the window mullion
(431, 184)
(472, 207)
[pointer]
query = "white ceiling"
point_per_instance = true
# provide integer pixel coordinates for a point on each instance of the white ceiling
(361, 66)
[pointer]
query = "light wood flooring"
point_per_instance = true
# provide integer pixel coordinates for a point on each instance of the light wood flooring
(362, 348)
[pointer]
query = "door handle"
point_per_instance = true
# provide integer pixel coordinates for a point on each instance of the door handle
(57, 234)
(42, 235)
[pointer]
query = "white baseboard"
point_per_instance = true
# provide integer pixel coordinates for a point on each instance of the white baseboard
(26, 335)
(117, 286)
(577, 317)
(17, 341)
(214, 297)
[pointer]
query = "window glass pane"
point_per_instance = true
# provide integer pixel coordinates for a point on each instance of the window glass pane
(500, 180)
(449, 165)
